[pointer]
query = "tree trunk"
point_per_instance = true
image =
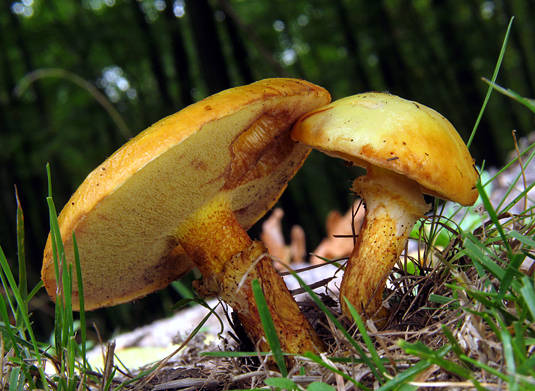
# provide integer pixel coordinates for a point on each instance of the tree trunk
(253, 38)
(208, 46)
(287, 36)
(28, 65)
(523, 57)
(439, 85)
(490, 38)
(179, 54)
(154, 56)
(6, 132)
(459, 59)
(395, 72)
(352, 45)
(30, 183)
(241, 56)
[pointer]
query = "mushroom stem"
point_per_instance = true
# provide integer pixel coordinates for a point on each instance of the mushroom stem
(229, 261)
(393, 204)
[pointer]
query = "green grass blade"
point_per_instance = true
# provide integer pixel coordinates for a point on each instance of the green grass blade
(55, 235)
(320, 386)
(35, 290)
(49, 179)
(16, 380)
(529, 103)
(493, 217)
(9, 333)
(453, 341)
(21, 253)
(478, 253)
(437, 357)
(3, 278)
(494, 77)
(420, 350)
(367, 340)
(281, 382)
(4, 315)
(482, 259)
(406, 376)
(485, 367)
(337, 324)
(512, 162)
(67, 309)
(16, 294)
(318, 360)
(57, 247)
(83, 331)
(511, 273)
(517, 199)
(519, 341)
(528, 294)
(482, 298)
(183, 290)
(25, 318)
(269, 327)
(508, 353)
(109, 380)
(490, 322)
(444, 300)
(528, 367)
(527, 241)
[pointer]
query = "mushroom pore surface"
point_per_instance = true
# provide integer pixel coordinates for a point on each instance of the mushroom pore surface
(125, 214)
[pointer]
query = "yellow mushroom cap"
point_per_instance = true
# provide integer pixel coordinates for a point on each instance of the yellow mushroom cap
(383, 130)
(126, 213)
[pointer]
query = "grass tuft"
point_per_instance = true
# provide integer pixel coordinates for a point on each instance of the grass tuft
(269, 327)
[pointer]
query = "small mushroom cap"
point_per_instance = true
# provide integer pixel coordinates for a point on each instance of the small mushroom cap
(383, 130)
(126, 213)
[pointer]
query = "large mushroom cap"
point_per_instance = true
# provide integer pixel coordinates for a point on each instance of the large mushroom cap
(396, 134)
(126, 212)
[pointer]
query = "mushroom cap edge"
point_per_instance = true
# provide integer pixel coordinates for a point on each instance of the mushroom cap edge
(396, 134)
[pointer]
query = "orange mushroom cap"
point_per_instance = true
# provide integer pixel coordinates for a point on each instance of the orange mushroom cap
(403, 136)
(126, 213)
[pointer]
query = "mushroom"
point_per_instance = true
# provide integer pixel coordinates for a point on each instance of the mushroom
(407, 150)
(182, 193)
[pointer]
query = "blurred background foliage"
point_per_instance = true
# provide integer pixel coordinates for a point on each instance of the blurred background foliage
(78, 78)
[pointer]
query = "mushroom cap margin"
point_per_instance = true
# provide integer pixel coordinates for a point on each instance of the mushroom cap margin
(125, 212)
(393, 133)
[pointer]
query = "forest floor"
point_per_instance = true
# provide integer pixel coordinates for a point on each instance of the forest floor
(426, 313)
(460, 305)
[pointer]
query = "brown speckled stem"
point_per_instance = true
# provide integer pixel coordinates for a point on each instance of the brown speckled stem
(224, 253)
(393, 204)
